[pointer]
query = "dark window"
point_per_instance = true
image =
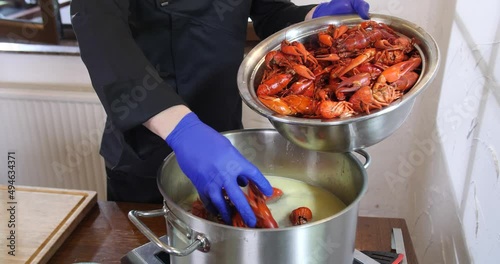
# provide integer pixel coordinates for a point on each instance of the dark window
(35, 21)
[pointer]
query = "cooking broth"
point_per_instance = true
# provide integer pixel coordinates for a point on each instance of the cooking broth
(296, 194)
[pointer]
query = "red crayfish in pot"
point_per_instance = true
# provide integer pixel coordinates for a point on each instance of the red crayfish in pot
(258, 202)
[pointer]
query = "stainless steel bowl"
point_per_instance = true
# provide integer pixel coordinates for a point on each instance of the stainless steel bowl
(191, 239)
(338, 135)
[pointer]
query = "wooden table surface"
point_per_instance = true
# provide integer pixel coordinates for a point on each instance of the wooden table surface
(105, 235)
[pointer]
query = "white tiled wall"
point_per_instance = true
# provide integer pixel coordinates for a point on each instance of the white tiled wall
(440, 171)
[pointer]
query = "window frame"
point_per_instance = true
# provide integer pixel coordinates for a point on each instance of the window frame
(48, 32)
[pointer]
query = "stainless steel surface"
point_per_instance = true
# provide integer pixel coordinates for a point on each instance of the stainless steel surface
(398, 243)
(338, 135)
(330, 240)
(148, 253)
(367, 157)
(200, 242)
(361, 257)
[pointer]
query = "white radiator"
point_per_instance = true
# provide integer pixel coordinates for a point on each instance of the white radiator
(55, 136)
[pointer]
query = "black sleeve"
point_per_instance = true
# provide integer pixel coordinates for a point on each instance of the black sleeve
(270, 16)
(128, 86)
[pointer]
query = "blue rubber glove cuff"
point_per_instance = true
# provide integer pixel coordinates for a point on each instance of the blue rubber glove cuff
(212, 163)
(342, 7)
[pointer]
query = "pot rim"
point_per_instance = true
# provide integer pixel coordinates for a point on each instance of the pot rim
(174, 207)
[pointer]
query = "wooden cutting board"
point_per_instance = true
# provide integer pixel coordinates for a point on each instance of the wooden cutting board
(43, 219)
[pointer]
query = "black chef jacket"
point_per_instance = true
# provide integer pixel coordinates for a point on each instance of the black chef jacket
(144, 56)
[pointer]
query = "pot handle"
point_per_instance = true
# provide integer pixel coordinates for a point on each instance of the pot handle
(200, 242)
(368, 158)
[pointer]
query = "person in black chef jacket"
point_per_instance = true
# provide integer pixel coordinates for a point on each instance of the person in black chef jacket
(165, 73)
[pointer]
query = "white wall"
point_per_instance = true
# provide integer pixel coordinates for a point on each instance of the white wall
(470, 115)
(66, 72)
(443, 176)
(51, 117)
(440, 170)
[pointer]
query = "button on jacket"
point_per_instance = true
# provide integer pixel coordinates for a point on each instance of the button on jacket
(144, 56)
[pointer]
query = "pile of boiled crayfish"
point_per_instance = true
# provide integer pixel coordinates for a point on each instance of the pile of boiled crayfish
(339, 72)
(258, 203)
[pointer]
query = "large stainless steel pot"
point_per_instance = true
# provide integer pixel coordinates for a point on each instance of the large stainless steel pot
(331, 240)
(338, 135)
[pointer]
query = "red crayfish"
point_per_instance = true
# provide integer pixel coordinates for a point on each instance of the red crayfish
(300, 216)
(258, 203)
(343, 72)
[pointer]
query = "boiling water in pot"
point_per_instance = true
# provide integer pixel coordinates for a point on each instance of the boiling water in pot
(296, 194)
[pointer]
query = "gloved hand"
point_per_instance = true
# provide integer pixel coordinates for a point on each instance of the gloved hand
(211, 162)
(342, 7)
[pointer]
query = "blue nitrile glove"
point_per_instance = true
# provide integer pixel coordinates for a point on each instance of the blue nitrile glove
(211, 162)
(342, 7)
